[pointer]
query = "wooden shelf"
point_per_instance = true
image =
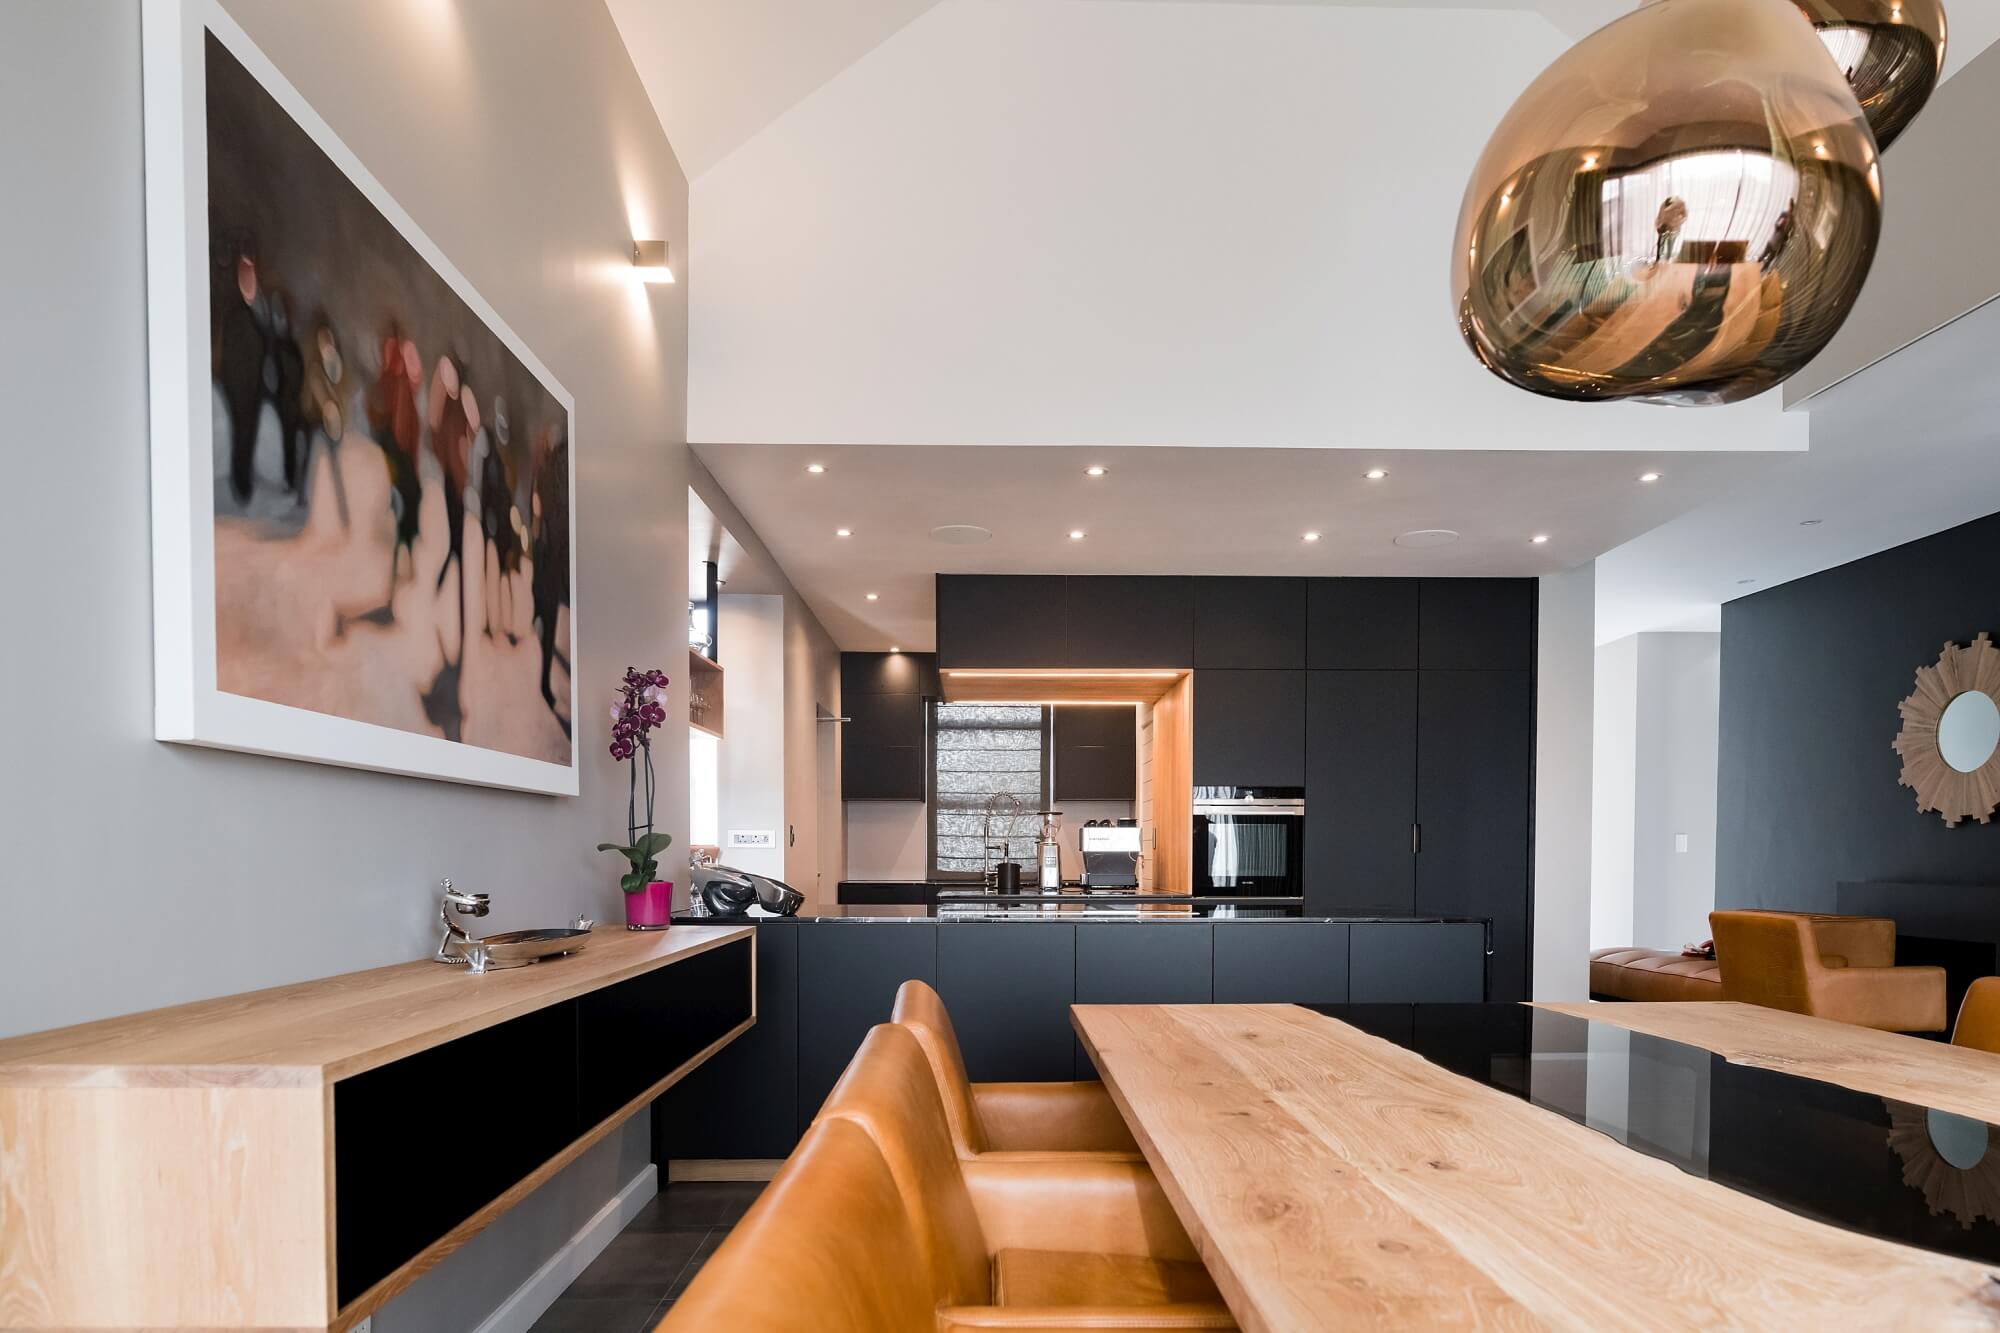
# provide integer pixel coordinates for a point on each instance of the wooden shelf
(705, 680)
(208, 1143)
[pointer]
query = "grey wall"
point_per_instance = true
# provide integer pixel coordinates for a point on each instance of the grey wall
(1811, 675)
(1675, 734)
(137, 874)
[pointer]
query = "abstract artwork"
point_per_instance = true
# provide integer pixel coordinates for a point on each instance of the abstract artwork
(363, 480)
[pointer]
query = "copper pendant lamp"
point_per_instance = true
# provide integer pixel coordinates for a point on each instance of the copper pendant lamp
(1682, 209)
(1891, 52)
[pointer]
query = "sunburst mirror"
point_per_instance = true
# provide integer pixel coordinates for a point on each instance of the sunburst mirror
(1947, 1157)
(1950, 740)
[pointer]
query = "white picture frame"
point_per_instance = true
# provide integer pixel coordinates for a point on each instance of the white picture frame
(188, 706)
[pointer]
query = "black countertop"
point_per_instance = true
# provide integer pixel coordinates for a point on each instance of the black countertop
(1068, 909)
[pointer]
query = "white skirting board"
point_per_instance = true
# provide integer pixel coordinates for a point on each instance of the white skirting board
(529, 1301)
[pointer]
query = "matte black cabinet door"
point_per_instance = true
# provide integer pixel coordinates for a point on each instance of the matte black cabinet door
(1150, 962)
(1361, 624)
(1475, 756)
(674, 1012)
(1250, 623)
(881, 772)
(1008, 986)
(744, 1102)
(886, 673)
(1249, 728)
(1478, 624)
(1401, 962)
(1361, 792)
(885, 719)
(1097, 753)
(1280, 962)
(1002, 620)
(1131, 622)
(848, 974)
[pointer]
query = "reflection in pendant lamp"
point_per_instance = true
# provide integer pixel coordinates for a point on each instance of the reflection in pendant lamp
(1682, 209)
(1890, 51)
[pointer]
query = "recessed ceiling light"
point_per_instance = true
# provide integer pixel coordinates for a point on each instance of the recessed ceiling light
(1540, 539)
(1811, 522)
(894, 649)
(1376, 473)
(843, 532)
(1093, 471)
(1076, 534)
(874, 596)
(815, 468)
(1311, 537)
(1649, 476)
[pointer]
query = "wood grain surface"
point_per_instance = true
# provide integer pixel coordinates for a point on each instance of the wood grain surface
(315, 1032)
(1886, 1064)
(1333, 1180)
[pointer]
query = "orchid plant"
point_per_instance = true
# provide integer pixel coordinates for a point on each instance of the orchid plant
(637, 708)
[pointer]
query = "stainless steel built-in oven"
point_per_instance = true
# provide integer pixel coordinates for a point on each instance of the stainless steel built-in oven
(1249, 842)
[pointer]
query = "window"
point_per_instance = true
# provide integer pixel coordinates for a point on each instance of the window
(989, 780)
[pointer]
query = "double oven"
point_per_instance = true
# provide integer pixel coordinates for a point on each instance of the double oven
(1249, 842)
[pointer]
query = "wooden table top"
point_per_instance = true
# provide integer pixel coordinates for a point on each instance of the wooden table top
(1886, 1064)
(1333, 1180)
(315, 1032)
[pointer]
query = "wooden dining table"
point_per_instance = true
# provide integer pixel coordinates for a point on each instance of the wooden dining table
(1334, 1180)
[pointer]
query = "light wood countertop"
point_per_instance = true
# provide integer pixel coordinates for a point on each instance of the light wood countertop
(1333, 1180)
(1886, 1064)
(315, 1032)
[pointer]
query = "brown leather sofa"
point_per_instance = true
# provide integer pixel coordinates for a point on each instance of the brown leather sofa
(1837, 967)
(1653, 975)
(1979, 1017)
(1023, 1240)
(1008, 1117)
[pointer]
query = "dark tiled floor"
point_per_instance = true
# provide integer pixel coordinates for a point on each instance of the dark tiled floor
(628, 1288)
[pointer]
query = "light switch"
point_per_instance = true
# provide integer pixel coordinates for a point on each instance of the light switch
(1680, 842)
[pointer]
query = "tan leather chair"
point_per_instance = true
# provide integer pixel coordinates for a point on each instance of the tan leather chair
(1008, 1117)
(1837, 967)
(825, 1249)
(1979, 1017)
(1040, 1241)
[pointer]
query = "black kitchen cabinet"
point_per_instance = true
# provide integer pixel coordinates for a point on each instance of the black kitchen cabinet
(1249, 728)
(1396, 962)
(1250, 623)
(1281, 962)
(1097, 752)
(1477, 624)
(744, 1101)
(848, 975)
(1361, 624)
(1000, 620)
(882, 748)
(1008, 986)
(1475, 759)
(1117, 621)
(1159, 963)
(1361, 792)
(674, 1011)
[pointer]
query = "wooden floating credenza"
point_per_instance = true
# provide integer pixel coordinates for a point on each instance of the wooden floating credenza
(292, 1158)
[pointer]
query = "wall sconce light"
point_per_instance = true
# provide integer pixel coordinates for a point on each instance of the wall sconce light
(650, 259)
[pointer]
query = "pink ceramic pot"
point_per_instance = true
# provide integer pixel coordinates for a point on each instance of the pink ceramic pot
(651, 908)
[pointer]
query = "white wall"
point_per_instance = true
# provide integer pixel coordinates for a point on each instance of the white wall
(519, 137)
(1657, 712)
(1051, 222)
(1611, 807)
(887, 840)
(750, 634)
(1680, 687)
(1565, 664)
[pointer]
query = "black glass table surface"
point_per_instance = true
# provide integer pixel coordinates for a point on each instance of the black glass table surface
(1895, 1170)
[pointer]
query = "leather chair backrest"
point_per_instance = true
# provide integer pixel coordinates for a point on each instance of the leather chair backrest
(827, 1248)
(1766, 958)
(890, 1091)
(1979, 1017)
(922, 1011)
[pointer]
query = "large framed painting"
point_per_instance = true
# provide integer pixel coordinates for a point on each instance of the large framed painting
(363, 480)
